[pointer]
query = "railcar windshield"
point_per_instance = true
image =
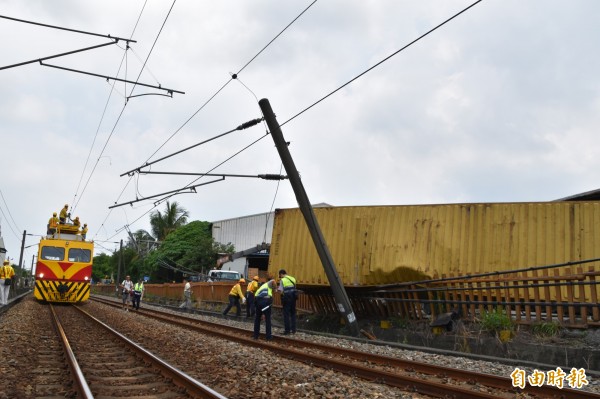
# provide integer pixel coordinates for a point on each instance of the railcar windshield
(53, 253)
(80, 255)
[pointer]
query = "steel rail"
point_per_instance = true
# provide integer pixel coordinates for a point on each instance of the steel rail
(83, 389)
(416, 384)
(193, 387)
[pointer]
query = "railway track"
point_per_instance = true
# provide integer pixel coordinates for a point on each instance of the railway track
(422, 378)
(104, 363)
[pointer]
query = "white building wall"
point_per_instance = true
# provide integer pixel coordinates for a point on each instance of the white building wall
(244, 232)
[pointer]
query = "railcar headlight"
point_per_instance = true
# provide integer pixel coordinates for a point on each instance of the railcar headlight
(86, 278)
(41, 275)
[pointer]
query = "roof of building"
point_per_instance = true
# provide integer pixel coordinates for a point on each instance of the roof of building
(593, 195)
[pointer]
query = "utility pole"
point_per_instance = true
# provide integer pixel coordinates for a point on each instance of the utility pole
(341, 297)
(119, 269)
(22, 249)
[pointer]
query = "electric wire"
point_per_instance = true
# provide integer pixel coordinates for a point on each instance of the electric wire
(275, 38)
(272, 205)
(9, 213)
(65, 29)
(124, 106)
(381, 62)
(206, 103)
(106, 105)
(153, 45)
(234, 76)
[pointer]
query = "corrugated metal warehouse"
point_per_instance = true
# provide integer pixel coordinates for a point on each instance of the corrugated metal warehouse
(373, 245)
(244, 233)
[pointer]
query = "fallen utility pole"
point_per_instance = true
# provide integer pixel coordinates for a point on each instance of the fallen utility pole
(341, 297)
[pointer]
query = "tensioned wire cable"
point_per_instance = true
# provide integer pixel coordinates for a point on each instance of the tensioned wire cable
(121, 113)
(381, 62)
(229, 81)
(369, 69)
(205, 104)
(125, 105)
(105, 108)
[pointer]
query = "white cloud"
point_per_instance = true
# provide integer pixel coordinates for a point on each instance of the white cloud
(500, 104)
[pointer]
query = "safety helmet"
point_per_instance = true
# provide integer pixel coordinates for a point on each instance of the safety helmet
(54, 214)
(5, 262)
(85, 224)
(66, 205)
(242, 280)
(255, 278)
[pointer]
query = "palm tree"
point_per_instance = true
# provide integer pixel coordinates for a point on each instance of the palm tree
(174, 217)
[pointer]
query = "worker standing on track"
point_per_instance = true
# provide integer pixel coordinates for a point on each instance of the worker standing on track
(263, 305)
(234, 298)
(252, 287)
(6, 275)
(287, 286)
(138, 292)
(187, 295)
(127, 286)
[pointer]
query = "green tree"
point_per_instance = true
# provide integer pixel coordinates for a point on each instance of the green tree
(165, 223)
(189, 248)
(103, 267)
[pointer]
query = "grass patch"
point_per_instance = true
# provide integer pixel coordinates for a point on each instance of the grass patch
(496, 320)
(546, 329)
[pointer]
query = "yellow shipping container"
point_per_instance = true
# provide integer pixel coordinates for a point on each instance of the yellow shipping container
(373, 245)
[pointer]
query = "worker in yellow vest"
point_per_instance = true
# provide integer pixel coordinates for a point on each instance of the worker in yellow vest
(263, 304)
(84, 231)
(287, 287)
(52, 224)
(64, 213)
(234, 298)
(250, 291)
(7, 273)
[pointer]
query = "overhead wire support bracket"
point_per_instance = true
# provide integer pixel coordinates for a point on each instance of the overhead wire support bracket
(262, 176)
(178, 191)
(69, 30)
(59, 55)
(159, 87)
(240, 127)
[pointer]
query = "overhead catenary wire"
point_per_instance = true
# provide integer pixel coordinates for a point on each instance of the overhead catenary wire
(204, 105)
(10, 226)
(233, 76)
(381, 62)
(67, 29)
(123, 109)
(102, 118)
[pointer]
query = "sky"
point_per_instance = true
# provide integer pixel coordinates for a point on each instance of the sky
(500, 104)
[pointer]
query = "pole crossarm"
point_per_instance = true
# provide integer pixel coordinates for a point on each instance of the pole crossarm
(171, 91)
(261, 176)
(58, 55)
(191, 189)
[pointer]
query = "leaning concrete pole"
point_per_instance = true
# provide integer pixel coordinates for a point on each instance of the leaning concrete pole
(341, 298)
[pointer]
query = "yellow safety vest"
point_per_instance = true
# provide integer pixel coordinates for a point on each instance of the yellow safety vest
(253, 286)
(264, 291)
